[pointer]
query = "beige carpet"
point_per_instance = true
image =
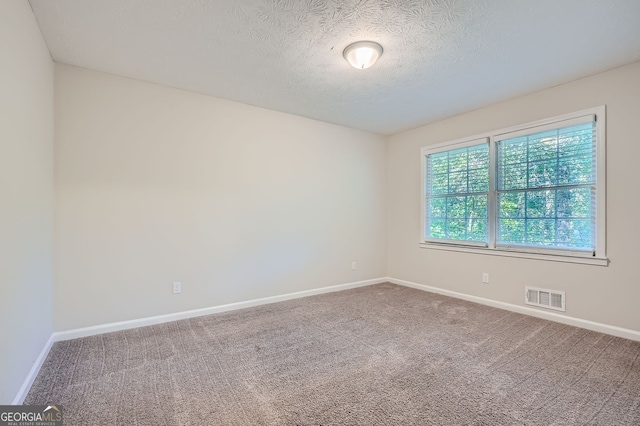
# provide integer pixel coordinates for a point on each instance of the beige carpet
(378, 355)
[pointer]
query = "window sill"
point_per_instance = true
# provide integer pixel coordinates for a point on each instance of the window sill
(597, 261)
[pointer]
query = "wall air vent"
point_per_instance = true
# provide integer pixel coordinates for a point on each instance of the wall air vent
(550, 299)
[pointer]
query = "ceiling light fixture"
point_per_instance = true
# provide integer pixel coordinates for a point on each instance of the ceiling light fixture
(362, 54)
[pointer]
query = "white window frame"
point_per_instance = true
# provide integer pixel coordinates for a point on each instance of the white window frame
(559, 255)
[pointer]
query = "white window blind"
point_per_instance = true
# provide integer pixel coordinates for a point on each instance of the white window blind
(457, 194)
(546, 186)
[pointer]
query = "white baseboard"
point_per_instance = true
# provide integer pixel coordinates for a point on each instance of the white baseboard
(551, 316)
(141, 322)
(33, 373)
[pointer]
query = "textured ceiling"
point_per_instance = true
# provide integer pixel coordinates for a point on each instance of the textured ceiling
(441, 57)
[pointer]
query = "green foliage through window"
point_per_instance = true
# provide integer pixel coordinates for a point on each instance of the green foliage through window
(546, 188)
(457, 194)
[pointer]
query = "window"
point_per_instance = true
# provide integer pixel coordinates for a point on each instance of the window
(536, 189)
(458, 193)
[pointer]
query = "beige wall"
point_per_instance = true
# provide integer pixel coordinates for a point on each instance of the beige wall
(155, 185)
(26, 194)
(608, 295)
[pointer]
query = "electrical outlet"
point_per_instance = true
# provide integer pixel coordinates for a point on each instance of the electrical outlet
(177, 287)
(353, 266)
(485, 278)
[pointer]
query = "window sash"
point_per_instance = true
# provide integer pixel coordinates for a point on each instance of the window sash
(451, 228)
(538, 164)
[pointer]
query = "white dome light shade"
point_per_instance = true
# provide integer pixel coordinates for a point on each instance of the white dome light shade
(362, 54)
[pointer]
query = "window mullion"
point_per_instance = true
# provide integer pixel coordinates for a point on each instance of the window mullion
(555, 191)
(492, 198)
(526, 200)
(466, 204)
(446, 203)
